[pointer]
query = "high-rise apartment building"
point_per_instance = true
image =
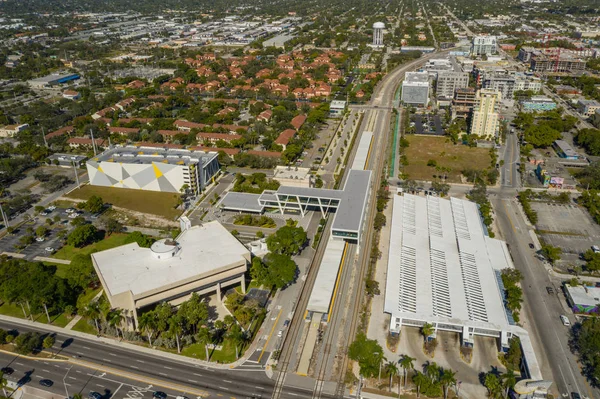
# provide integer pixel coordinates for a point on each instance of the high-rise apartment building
(448, 82)
(484, 45)
(484, 120)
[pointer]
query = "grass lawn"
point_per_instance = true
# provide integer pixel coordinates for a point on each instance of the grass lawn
(446, 154)
(68, 251)
(225, 355)
(15, 311)
(152, 202)
(83, 326)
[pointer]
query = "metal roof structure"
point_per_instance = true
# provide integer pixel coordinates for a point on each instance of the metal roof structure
(442, 265)
(362, 153)
(322, 292)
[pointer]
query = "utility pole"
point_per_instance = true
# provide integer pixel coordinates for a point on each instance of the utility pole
(4, 217)
(93, 141)
(76, 177)
(44, 137)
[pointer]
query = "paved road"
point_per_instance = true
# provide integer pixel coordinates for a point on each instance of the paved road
(245, 381)
(542, 310)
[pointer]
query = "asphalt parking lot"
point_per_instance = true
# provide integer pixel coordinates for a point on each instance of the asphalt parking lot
(566, 226)
(9, 243)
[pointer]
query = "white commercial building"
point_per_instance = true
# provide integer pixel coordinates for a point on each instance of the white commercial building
(201, 259)
(378, 28)
(154, 169)
(448, 82)
(444, 269)
(415, 88)
(484, 45)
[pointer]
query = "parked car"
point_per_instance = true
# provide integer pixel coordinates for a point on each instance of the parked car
(94, 395)
(550, 290)
(159, 395)
(575, 395)
(40, 239)
(52, 208)
(531, 245)
(280, 333)
(565, 320)
(49, 249)
(70, 210)
(286, 323)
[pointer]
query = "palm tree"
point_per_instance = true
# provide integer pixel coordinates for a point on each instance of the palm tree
(432, 370)
(447, 378)
(77, 396)
(509, 379)
(492, 384)
(3, 384)
(427, 330)
(407, 363)
(175, 329)
(115, 318)
(391, 370)
(419, 379)
(147, 322)
(236, 335)
(203, 336)
(92, 310)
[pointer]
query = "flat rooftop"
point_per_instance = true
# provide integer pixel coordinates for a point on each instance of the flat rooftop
(442, 264)
(54, 77)
(199, 251)
(362, 153)
(322, 292)
(350, 214)
(584, 295)
(416, 77)
(147, 155)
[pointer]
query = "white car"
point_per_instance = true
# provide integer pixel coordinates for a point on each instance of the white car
(73, 215)
(565, 320)
(51, 208)
(40, 239)
(49, 249)
(70, 210)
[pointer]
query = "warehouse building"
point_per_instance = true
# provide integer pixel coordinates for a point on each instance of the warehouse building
(52, 80)
(445, 270)
(202, 259)
(154, 169)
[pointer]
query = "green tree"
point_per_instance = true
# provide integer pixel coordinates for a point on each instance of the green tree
(447, 379)
(48, 342)
(112, 225)
(541, 135)
(380, 221)
(94, 204)
(287, 240)
(41, 231)
(115, 318)
(509, 379)
(391, 370)
(419, 379)
(81, 271)
(586, 342)
(274, 271)
(92, 311)
(492, 383)
(82, 235)
(407, 362)
(368, 353)
(147, 323)
(427, 330)
(551, 253)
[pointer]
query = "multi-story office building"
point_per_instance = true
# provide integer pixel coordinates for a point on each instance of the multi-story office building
(507, 82)
(484, 120)
(154, 169)
(448, 82)
(484, 45)
(415, 89)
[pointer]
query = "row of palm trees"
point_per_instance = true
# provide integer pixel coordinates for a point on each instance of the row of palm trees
(101, 311)
(431, 373)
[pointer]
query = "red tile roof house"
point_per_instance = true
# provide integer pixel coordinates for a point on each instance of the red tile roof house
(186, 126)
(76, 142)
(298, 121)
(60, 132)
(136, 84)
(103, 112)
(214, 137)
(123, 131)
(265, 116)
(168, 134)
(231, 152)
(285, 137)
(125, 103)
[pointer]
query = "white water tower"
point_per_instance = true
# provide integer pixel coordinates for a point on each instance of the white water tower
(378, 33)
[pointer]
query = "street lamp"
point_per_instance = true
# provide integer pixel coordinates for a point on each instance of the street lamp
(65, 382)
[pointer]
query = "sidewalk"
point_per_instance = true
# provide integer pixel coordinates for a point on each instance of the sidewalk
(132, 347)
